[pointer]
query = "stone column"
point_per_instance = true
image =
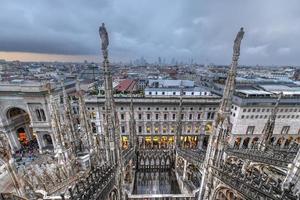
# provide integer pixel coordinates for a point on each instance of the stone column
(12, 135)
(241, 144)
(250, 143)
(184, 170)
(200, 141)
(40, 142)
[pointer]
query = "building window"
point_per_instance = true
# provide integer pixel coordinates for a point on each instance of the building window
(140, 116)
(242, 117)
(190, 116)
(157, 108)
(122, 108)
(199, 116)
(148, 108)
(182, 116)
(140, 129)
(285, 130)
(122, 116)
(166, 108)
(38, 115)
(164, 129)
(148, 129)
(156, 116)
(174, 116)
(148, 116)
(123, 129)
(250, 130)
(197, 129)
(43, 114)
(189, 129)
(94, 128)
(212, 115)
(165, 116)
(156, 129)
(172, 130)
(163, 93)
(208, 115)
(139, 108)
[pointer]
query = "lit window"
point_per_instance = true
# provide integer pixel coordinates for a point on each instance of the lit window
(164, 129)
(148, 129)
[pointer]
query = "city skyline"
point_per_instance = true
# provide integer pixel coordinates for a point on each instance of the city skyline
(183, 30)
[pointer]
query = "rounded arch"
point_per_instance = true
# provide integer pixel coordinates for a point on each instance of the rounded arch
(226, 193)
(288, 141)
(246, 142)
(272, 140)
(113, 194)
(280, 141)
(237, 142)
(254, 142)
(13, 112)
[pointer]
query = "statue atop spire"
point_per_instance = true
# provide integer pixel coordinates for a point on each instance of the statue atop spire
(221, 124)
(237, 42)
(105, 41)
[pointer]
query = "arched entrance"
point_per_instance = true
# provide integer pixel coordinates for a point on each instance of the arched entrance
(20, 133)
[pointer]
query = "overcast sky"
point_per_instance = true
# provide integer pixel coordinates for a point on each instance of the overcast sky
(183, 29)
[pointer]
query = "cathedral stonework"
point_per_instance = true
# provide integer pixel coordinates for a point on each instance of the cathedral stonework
(59, 142)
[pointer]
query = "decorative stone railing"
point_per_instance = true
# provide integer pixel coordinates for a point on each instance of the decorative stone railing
(252, 185)
(271, 157)
(196, 157)
(97, 185)
(10, 196)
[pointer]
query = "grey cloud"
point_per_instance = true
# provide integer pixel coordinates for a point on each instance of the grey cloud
(202, 30)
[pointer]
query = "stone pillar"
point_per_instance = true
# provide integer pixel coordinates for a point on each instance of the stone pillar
(241, 144)
(40, 142)
(184, 169)
(200, 141)
(13, 139)
(282, 144)
(250, 143)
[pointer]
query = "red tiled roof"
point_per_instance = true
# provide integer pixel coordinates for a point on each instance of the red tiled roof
(126, 85)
